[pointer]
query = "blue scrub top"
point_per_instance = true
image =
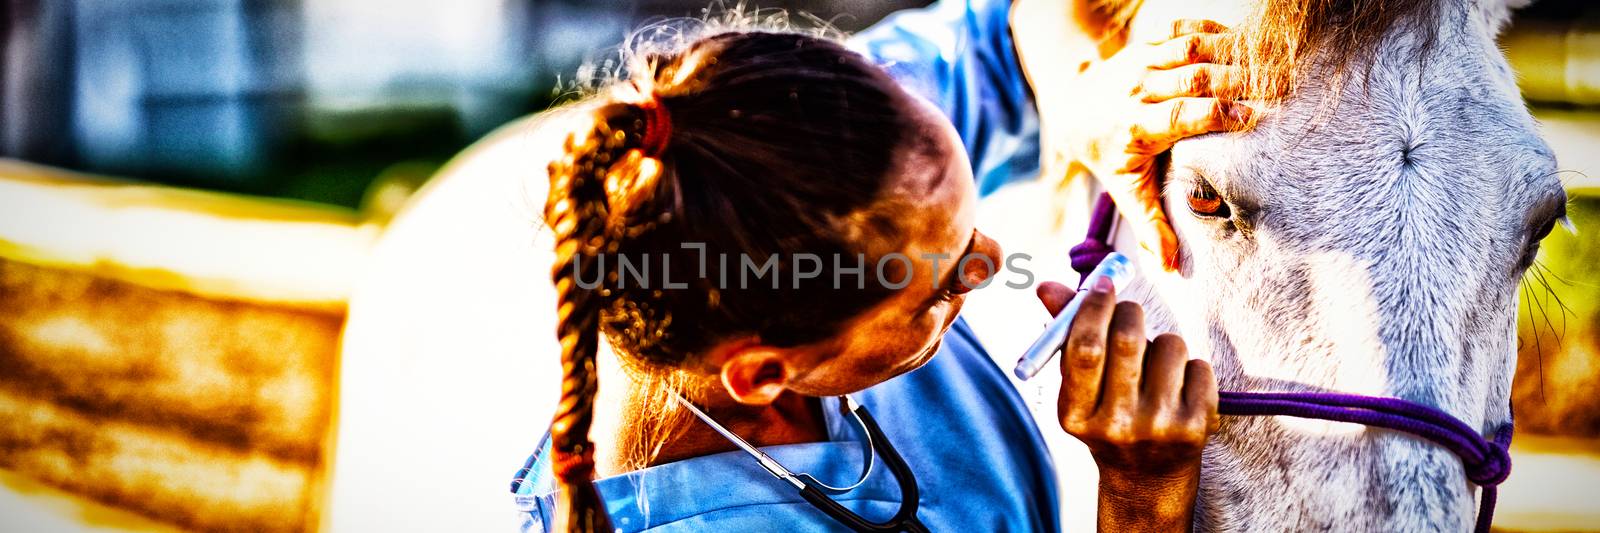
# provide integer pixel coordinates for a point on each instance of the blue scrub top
(979, 460)
(959, 55)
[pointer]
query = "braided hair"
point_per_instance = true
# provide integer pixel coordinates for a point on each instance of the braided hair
(577, 212)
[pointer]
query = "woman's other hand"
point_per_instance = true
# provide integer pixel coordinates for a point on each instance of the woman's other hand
(1144, 409)
(1117, 114)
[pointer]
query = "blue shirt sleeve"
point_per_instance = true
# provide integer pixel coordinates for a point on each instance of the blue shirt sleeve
(959, 55)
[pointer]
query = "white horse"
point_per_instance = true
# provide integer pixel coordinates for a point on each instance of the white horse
(1376, 254)
(1371, 244)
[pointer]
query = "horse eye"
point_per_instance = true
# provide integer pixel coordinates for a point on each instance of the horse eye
(1544, 231)
(1556, 216)
(1204, 201)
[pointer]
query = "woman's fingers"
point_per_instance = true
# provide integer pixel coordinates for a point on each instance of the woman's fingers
(1204, 79)
(1162, 124)
(1183, 27)
(1139, 201)
(1154, 131)
(1054, 296)
(1200, 394)
(1164, 374)
(1155, 409)
(1083, 359)
(1186, 50)
(1165, 240)
(1181, 77)
(1125, 345)
(1192, 41)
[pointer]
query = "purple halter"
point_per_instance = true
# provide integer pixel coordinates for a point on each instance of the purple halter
(1487, 462)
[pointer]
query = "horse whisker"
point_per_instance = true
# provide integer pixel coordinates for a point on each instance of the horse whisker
(1538, 341)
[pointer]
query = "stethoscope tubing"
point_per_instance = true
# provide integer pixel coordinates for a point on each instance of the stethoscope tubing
(817, 494)
(903, 520)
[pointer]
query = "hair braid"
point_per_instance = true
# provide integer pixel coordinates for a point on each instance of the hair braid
(598, 164)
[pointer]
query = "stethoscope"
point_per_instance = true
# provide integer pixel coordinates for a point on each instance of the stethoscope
(817, 492)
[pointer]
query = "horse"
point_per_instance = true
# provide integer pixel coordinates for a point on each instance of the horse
(1375, 226)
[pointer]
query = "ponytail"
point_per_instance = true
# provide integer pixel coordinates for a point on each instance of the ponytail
(595, 180)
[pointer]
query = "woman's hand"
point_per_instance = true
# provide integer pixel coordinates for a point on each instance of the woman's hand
(1118, 114)
(1144, 409)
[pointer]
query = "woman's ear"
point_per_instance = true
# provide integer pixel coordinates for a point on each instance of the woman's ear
(756, 375)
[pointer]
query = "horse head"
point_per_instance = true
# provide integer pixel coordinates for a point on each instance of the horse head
(1373, 231)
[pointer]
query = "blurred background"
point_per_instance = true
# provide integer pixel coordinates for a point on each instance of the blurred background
(303, 99)
(150, 385)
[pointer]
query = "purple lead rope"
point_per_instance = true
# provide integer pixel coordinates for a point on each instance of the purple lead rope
(1487, 461)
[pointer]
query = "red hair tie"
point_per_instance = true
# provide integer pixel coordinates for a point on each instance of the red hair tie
(573, 467)
(657, 127)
